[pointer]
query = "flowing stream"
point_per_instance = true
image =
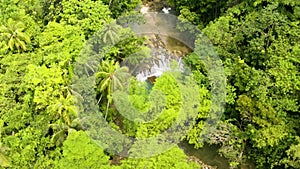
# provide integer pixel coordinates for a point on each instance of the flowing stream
(164, 50)
(208, 154)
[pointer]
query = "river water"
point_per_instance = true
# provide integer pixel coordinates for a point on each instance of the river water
(208, 156)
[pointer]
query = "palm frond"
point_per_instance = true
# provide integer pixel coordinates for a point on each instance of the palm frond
(21, 44)
(11, 43)
(4, 162)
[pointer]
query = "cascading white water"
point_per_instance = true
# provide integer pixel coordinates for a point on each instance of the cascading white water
(166, 10)
(159, 64)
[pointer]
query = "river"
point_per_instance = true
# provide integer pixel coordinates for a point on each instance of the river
(207, 156)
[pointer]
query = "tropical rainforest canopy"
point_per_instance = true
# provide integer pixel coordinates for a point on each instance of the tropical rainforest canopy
(40, 44)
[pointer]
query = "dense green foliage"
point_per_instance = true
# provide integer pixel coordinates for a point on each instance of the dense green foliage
(41, 41)
(258, 42)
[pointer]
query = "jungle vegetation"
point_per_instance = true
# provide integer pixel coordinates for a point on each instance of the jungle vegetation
(41, 41)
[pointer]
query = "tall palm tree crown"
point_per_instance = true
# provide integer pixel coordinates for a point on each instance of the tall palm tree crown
(13, 34)
(111, 77)
(110, 33)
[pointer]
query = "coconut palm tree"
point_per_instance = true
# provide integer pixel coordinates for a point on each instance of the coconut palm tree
(110, 33)
(14, 36)
(65, 109)
(110, 77)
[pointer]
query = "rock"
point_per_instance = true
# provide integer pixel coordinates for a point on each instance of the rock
(151, 79)
(177, 53)
(144, 9)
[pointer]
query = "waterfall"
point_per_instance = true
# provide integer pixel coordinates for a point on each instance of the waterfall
(166, 10)
(160, 63)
